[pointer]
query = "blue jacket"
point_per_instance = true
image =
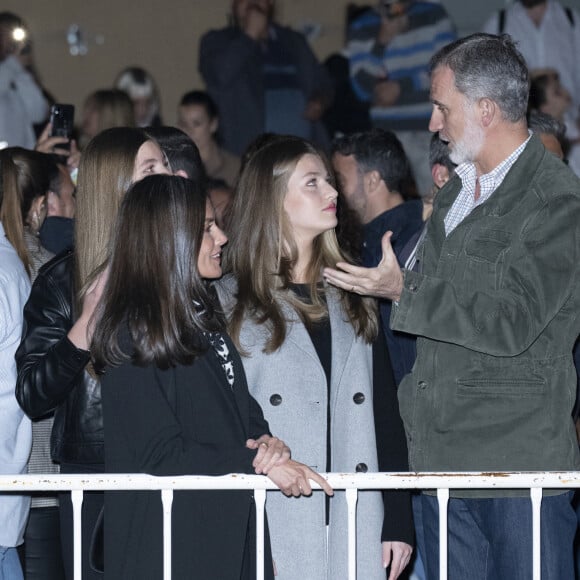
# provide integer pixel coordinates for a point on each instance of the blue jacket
(405, 221)
(231, 64)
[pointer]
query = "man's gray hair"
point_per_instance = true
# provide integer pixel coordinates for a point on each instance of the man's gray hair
(488, 66)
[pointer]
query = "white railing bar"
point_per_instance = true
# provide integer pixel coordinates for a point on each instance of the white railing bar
(77, 505)
(167, 501)
(260, 499)
(442, 501)
(351, 499)
(351, 482)
(536, 495)
(126, 482)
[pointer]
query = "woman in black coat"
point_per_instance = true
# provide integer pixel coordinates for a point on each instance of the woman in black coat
(175, 398)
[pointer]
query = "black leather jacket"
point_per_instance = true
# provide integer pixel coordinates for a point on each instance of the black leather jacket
(51, 370)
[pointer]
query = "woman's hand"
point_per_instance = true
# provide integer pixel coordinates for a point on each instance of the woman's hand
(48, 144)
(293, 478)
(397, 556)
(271, 451)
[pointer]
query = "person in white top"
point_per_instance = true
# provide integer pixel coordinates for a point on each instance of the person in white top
(22, 102)
(15, 427)
(548, 36)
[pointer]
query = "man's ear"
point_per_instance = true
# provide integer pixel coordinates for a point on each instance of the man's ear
(181, 173)
(487, 111)
(372, 180)
(440, 175)
(214, 125)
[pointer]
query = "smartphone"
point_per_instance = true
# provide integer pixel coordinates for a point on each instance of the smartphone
(62, 122)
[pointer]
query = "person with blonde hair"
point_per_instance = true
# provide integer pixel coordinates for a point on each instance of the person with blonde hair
(104, 109)
(53, 356)
(315, 361)
(142, 90)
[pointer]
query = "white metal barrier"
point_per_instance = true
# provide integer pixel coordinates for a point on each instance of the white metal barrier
(442, 482)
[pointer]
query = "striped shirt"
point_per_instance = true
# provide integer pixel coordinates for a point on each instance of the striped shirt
(465, 202)
(405, 60)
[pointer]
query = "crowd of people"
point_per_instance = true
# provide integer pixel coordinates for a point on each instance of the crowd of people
(252, 289)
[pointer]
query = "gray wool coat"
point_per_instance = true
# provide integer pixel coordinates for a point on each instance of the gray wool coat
(291, 387)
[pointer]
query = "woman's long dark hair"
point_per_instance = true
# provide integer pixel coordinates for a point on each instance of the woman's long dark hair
(154, 288)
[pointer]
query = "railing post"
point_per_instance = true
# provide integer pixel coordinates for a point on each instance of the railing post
(260, 499)
(536, 495)
(76, 496)
(167, 501)
(351, 499)
(443, 500)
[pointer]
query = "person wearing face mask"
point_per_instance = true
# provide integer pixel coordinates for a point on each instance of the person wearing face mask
(53, 357)
(263, 77)
(27, 178)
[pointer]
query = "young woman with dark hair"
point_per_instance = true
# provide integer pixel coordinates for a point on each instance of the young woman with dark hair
(175, 398)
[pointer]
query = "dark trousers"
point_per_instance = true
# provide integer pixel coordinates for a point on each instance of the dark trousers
(42, 550)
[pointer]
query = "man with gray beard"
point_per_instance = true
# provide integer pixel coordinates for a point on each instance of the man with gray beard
(495, 308)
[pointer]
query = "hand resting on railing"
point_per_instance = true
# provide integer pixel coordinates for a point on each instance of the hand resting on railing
(293, 478)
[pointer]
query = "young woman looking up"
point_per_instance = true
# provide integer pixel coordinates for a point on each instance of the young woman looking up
(316, 362)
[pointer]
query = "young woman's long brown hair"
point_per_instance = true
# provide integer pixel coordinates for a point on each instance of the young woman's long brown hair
(262, 254)
(105, 174)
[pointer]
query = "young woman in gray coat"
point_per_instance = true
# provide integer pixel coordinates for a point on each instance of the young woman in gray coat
(317, 364)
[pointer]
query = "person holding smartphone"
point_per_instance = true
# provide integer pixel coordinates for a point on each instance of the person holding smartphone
(22, 102)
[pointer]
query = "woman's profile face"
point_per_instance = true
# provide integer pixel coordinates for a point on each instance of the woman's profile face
(210, 251)
(310, 200)
(150, 160)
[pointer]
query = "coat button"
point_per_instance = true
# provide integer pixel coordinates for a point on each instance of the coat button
(361, 468)
(275, 400)
(422, 384)
(358, 398)
(412, 287)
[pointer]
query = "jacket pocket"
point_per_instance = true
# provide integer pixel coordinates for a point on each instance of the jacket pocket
(512, 388)
(484, 258)
(488, 246)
